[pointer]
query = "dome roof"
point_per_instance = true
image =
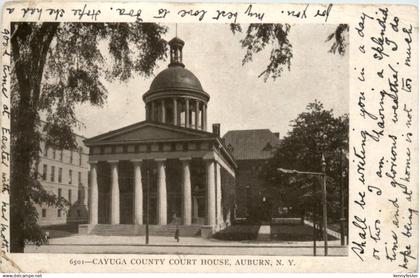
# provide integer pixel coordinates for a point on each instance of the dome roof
(175, 77)
(175, 80)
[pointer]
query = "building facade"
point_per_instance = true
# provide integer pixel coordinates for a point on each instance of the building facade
(65, 174)
(252, 149)
(167, 170)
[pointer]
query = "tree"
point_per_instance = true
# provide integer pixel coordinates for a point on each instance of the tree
(56, 66)
(314, 133)
(260, 36)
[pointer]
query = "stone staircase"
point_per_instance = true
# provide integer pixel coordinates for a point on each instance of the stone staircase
(264, 233)
(138, 230)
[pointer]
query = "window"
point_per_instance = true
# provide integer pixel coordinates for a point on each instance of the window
(70, 177)
(79, 195)
(59, 192)
(46, 150)
(79, 178)
(60, 175)
(59, 213)
(61, 155)
(69, 196)
(54, 153)
(44, 172)
(71, 156)
(52, 173)
(267, 147)
(230, 148)
(80, 157)
(44, 213)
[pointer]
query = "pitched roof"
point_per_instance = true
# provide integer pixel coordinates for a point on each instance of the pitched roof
(251, 144)
(148, 131)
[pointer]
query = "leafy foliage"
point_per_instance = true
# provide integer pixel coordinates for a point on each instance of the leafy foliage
(340, 39)
(260, 36)
(57, 66)
(315, 132)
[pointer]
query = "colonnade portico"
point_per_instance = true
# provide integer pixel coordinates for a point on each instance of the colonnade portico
(213, 188)
(169, 110)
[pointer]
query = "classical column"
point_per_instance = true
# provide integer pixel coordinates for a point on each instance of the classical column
(197, 112)
(211, 196)
(147, 112)
(152, 115)
(161, 202)
(186, 188)
(180, 107)
(204, 117)
(163, 111)
(175, 110)
(115, 193)
(138, 193)
(93, 205)
(187, 112)
(219, 194)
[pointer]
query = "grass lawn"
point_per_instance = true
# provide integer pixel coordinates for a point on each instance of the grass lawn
(279, 232)
(301, 232)
(336, 227)
(62, 230)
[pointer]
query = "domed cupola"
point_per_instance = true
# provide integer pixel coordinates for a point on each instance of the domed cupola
(175, 95)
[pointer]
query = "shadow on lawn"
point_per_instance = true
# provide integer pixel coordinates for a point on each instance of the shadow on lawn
(301, 232)
(62, 230)
(279, 232)
(238, 233)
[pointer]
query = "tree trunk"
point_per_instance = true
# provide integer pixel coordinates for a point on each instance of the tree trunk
(35, 41)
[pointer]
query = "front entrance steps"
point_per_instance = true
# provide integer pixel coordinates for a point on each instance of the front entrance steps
(264, 233)
(138, 230)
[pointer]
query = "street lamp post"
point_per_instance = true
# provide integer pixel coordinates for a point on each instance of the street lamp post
(313, 216)
(324, 205)
(342, 218)
(324, 197)
(147, 206)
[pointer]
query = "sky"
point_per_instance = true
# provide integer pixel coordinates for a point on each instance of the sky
(238, 98)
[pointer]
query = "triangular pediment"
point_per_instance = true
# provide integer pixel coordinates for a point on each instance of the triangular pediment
(146, 132)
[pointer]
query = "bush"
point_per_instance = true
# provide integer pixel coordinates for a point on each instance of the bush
(238, 233)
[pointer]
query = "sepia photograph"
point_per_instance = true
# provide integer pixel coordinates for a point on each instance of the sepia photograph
(196, 139)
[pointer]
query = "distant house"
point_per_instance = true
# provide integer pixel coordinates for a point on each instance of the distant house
(251, 149)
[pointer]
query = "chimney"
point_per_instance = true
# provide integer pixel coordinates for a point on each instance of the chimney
(216, 129)
(277, 134)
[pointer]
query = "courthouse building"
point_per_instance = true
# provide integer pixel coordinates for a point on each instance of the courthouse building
(167, 169)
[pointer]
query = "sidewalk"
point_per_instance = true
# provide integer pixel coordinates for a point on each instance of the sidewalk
(329, 231)
(170, 241)
(92, 244)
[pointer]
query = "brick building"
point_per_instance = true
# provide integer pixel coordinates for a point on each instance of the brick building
(64, 173)
(251, 149)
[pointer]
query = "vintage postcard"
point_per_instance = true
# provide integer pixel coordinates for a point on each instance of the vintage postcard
(209, 137)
